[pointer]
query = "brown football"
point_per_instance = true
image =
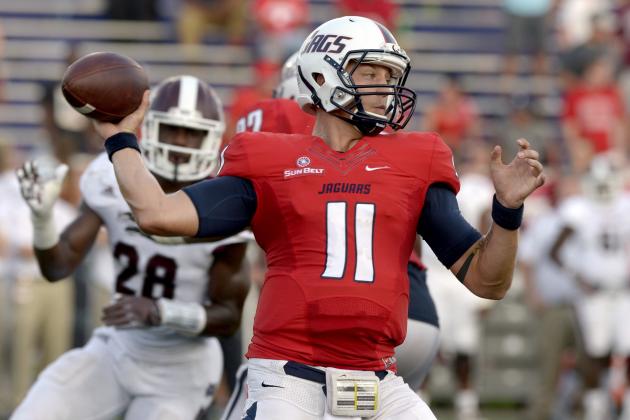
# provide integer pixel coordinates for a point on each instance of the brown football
(104, 86)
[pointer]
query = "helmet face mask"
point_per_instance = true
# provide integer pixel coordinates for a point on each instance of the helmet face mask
(328, 60)
(187, 103)
(400, 101)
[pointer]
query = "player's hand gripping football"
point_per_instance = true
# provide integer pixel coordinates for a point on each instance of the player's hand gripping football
(129, 124)
(131, 312)
(518, 179)
(40, 184)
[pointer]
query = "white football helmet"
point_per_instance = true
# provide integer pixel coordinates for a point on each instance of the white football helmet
(335, 49)
(183, 101)
(288, 86)
(604, 180)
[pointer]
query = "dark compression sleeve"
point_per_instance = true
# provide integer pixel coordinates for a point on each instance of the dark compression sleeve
(225, 205)
(443, 227)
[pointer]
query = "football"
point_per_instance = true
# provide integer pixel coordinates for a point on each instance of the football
(104, 86)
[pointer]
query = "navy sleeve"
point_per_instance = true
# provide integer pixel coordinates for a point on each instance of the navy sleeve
(443, 227)
(225, 205)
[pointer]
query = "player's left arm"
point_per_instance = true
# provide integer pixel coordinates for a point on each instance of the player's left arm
(484, 264)
(227, 289)
(487, 267)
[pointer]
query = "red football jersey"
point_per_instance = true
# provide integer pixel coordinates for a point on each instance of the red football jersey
(276, 115)
(281, 115)
(338, 229)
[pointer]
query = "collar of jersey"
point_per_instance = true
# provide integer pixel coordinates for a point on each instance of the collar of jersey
(342, 161)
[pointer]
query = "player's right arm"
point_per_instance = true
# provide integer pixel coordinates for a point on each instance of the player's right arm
(57, 256)
(155, 212)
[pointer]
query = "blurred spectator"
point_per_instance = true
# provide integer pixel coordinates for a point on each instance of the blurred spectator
(7, 176)
(600, 43)
(281, 27)
(384, 11)
(594, 113)
(524, 122)
(222, 17)
(549, 294)
(454, 115)
(132, 10)
(266, 75)
(526, 22)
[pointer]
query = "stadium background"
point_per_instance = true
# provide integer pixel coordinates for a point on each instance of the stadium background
(239, 56)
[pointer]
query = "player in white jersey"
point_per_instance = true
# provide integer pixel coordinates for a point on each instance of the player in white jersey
(156, 358)
(594, 246)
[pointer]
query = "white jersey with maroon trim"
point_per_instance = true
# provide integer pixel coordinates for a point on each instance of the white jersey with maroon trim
(144, 267)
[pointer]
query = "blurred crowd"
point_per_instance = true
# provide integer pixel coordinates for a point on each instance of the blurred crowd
(574, 259)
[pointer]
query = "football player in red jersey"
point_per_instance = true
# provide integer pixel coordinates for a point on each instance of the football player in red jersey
(414, 357)
(337, 214)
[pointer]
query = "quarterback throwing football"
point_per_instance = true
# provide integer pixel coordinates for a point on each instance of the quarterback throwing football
(337, 214)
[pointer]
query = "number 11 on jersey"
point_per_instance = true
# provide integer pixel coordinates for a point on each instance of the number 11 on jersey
(337, 240)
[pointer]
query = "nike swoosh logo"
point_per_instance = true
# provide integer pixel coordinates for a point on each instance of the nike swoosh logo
(374, 168)
(271, 386)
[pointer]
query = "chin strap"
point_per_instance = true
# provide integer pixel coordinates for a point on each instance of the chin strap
(366, 127)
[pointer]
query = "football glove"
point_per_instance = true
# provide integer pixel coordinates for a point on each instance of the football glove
(40, 185)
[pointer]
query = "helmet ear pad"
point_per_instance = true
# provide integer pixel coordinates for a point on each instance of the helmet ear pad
(327, 60)
(187, 102)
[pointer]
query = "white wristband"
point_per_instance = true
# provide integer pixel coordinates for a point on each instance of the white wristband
(186, 317)
(45, 234)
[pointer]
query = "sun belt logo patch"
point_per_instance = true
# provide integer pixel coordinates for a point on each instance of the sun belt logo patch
(302, 168)
(303, 161)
